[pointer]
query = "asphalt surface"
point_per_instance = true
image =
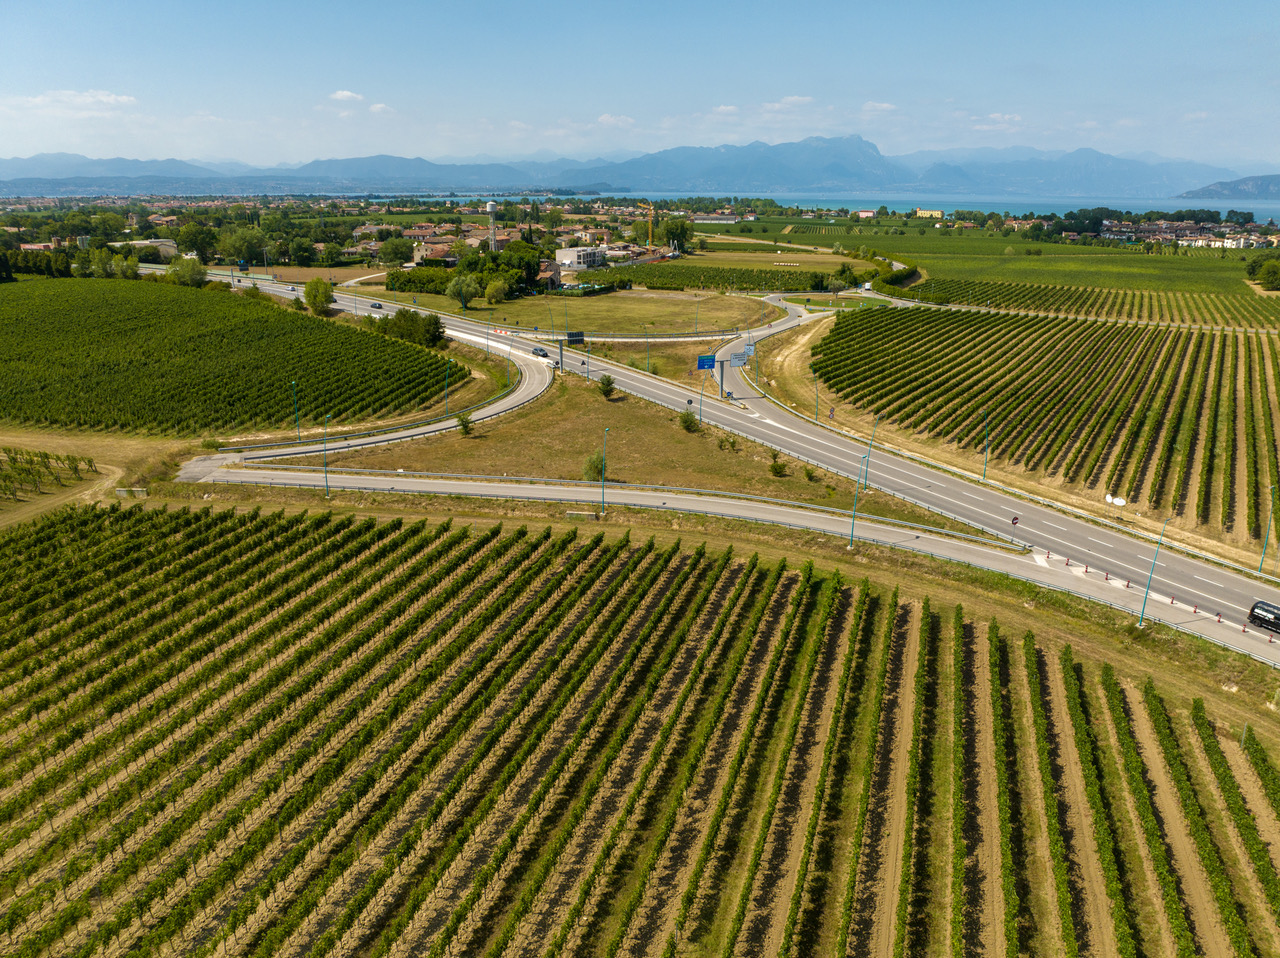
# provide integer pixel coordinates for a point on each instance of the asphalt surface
(1099, 560)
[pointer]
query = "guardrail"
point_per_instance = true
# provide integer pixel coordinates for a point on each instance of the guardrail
(813, 528)
(342, 437)
(1021, 494)
(619, 486)
(1019, 543)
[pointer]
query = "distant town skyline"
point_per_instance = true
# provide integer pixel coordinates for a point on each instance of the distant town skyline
(289, 82)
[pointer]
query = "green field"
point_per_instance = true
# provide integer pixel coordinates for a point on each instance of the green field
(624, 312)
(1176, 420)
(151, 356)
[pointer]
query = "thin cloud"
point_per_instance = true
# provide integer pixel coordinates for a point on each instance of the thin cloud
(997, 122)
(608, 119)
(380, 108)
(63, 105)
(725, 110)
(344, 95)
(1196, 115)
(872, 107)
(787, 103)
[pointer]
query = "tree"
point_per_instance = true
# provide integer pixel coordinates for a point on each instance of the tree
(689, 421)
(1269, 275)
(463, 288)
(678, 233)
(496, 291)
(465, 425)
(199, 239)
(553, 218)
(606, 385)
(319, 294)
(301, 252)
(395, 251)
(432, 330)
(185, 272)
(102, 265)
(593, 470)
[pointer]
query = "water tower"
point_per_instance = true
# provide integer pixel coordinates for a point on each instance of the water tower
(492, 209)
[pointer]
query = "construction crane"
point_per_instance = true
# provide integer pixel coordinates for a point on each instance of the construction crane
(645, 203)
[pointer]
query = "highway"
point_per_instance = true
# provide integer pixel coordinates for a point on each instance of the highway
(1064, 551)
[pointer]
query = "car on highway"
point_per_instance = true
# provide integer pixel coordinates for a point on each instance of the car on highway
(293, 289)
(1266, 615)
(539, 351)
(375, 306)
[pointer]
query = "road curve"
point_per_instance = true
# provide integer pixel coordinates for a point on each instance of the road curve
(1071, 552)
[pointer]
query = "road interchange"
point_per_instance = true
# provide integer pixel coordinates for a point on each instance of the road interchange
(1064, 550)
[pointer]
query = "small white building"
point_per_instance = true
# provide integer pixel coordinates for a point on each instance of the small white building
(580, 257)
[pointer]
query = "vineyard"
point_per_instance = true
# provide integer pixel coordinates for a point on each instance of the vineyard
(1181, 419)
(311, 735)
(26, 472)
(695, 276)
(162, 357)
(1242, 310)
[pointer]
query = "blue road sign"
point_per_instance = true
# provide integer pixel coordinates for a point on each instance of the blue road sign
(707, 362)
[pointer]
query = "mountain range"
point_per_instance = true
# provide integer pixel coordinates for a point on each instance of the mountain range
(830, 165)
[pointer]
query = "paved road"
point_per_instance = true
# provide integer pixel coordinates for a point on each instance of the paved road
(1067, 552)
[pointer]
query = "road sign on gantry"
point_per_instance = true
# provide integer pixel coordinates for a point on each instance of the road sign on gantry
(576, 339)
(749, 349)
(707, 362)
(737, 359)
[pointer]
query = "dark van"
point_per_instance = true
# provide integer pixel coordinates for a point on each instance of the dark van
(1265, 615)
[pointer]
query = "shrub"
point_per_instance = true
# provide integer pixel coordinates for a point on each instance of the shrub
(606, 385)
(465, 425)
(593, 470)
(809, 474)
(689, 422)
(778, 469)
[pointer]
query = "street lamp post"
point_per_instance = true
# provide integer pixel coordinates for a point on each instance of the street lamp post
(326, 455)
(1151, 574)
(855, 504)
(701, 393)
(871, 443)
(298, 424)
(1271, 515)
(604, 460)
(815, 397)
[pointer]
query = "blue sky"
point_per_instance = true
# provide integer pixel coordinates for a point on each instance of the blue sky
(286, 82)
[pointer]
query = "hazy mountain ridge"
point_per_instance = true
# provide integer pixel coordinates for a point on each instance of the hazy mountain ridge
(848, 164)
(1245, 188)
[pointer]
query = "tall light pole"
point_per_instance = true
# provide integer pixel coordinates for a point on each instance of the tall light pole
(867, 468)
(604, 461)
(986, 444)
(701, 393)
(855, 505)
(1271, 515)
(1151, 574)
(815, 397)
(298, 424)
(326, 455)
